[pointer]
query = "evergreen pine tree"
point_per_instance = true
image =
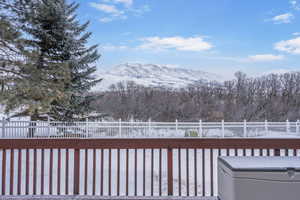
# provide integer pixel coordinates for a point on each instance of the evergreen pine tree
(8, 39)
(36, 77)
(81, 59)
(55, 72)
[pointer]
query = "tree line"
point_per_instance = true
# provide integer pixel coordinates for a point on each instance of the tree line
(46, 66)
(273, 97)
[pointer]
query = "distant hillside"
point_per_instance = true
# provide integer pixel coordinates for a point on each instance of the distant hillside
(154, 76)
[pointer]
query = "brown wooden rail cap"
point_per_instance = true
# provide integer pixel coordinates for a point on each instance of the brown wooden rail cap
(209, 143)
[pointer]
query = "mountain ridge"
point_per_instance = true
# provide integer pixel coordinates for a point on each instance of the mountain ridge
(154, 75)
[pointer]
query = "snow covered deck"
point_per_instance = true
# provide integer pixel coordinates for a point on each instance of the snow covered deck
(101, 198)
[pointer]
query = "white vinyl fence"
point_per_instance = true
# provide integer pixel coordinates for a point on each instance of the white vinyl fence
(122, 129)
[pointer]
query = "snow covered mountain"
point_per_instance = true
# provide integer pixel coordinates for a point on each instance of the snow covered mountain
(153, 76)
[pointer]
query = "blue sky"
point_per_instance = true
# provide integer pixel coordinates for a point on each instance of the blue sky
(220, 36)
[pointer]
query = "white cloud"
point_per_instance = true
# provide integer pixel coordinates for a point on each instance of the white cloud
(140, 11)
(283, 19)
(110, 47)
(112, 18)
(290, 46)
(127, 3)
(106, 19)
(296, 34)
(177, 42)
(295, 4)
(110, 9)
(265, 58)
(115, 10)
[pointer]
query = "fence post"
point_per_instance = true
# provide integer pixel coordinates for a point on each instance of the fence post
(200, 128)
(223, 129)
(245, 128)
(266, 126)
(297, 126)
(86, 127)
(3, 127)
(149, 127)
(287, 126)
(48, 129)
(170, 171)
(131, 127)
(120, 127)
(176, 125)
(76, 171)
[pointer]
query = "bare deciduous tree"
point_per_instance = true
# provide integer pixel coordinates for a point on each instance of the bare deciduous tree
(273, 97)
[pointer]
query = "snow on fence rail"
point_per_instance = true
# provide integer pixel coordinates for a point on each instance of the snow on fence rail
(124, 129)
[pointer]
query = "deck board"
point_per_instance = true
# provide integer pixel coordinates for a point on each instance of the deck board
(79, 197)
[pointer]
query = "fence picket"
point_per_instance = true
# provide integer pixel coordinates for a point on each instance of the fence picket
(3, 127)
(120, 127)
(200, 128)
(266, 126)
(245, 128)
(223, 129)
(149, 127)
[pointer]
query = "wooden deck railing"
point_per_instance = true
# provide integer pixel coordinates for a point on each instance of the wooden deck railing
(124, 167)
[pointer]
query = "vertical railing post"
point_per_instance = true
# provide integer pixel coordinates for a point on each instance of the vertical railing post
(120, 127)
(288, 126)
(200, 128)
(245, 128)
(76, 171)
(266, 126)
(170, 171)
(3, 127)
(223, 129)
(276, 152)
